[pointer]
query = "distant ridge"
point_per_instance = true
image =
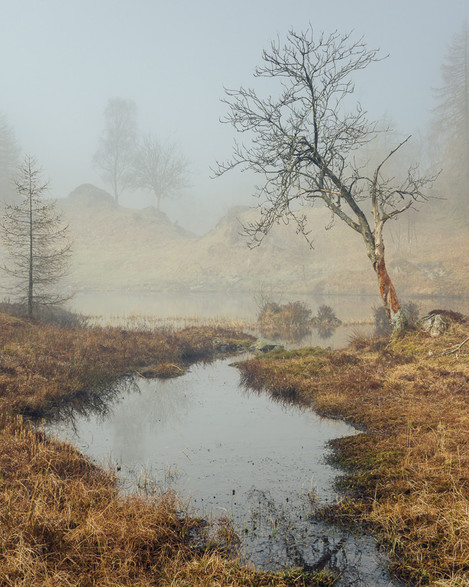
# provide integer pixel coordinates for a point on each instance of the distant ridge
(124, 248)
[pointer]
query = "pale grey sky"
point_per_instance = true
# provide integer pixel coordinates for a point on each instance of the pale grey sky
(63, 59)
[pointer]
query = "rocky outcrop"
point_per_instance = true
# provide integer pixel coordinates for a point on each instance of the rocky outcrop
(434, 324)
(437, 322)
(89, 194)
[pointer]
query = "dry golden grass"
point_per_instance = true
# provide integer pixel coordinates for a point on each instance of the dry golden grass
(42, 364)
(64, 523)
(62, 520)
(408, 473)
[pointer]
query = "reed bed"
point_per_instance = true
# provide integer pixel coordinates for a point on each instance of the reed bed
(407, 473)
(134, 321)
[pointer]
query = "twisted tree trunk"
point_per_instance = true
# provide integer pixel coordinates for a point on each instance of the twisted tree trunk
(393, 309)
(389, 297)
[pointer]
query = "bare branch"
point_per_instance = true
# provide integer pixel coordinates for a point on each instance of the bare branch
(302, 139)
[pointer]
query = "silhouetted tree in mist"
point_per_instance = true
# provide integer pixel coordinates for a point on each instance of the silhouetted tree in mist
(303, 142)
(36, 241)
(116, 152)
(451, 129)
(9, 153)
(160, 168)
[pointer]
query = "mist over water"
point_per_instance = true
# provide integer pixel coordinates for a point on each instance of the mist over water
(179, 309)
(154, 252)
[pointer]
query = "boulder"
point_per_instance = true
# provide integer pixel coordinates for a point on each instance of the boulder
(90, 195)
(265, 346)
(434, 324)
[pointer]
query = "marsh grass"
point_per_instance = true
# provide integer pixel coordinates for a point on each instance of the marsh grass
(63, 521)
(43, 364)
(149, 322)
(407, 474)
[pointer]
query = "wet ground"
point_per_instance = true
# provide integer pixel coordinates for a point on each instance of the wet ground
(233, 454)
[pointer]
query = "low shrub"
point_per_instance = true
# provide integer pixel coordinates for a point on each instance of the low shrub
(291, 321)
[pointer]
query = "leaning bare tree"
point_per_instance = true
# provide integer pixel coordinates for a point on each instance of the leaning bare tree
(305, 140)
(36, 241)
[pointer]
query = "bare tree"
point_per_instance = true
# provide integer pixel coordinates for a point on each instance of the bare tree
(160, 168)
(9, 153)
(36, 240)
(117, 147)
(451, 127)
(304, 142)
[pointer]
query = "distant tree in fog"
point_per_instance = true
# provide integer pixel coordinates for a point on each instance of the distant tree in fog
(303, 141)
(115, 156)
(36, 241)
(9, 153)
(452, 122)
(160, 168)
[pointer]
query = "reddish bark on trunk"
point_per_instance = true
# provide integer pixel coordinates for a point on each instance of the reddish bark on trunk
(386, 288)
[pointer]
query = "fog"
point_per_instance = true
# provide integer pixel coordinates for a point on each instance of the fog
(62, 62)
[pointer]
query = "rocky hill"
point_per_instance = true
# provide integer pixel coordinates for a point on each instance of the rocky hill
(122, 248)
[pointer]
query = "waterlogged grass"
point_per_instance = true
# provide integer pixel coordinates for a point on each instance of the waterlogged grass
(62, 519)
(407, 473)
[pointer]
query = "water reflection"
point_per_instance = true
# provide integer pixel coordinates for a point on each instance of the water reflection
(91, 404)
(232, 453)
(326, 332)
(236, 305)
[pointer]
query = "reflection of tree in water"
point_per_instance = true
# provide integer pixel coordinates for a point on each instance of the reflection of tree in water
(292, 322)
(280, 535)
(325, 322)
(291, 335)
(86, 403)
(325, 332)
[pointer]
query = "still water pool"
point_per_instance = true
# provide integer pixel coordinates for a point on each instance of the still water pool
(232, 453)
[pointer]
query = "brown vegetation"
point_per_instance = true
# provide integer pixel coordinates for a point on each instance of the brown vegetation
(291, 321)
(408, 472)
(62, 520)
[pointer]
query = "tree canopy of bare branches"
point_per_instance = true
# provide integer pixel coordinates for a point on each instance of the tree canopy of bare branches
(160, 168)
(9, 154)
(451, 129)
(115, 156)
(36, 240)
(304, 140)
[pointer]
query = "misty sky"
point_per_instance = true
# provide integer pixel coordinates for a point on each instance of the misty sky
(63, 59)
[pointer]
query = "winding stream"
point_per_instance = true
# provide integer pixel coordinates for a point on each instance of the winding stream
(230, 453)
